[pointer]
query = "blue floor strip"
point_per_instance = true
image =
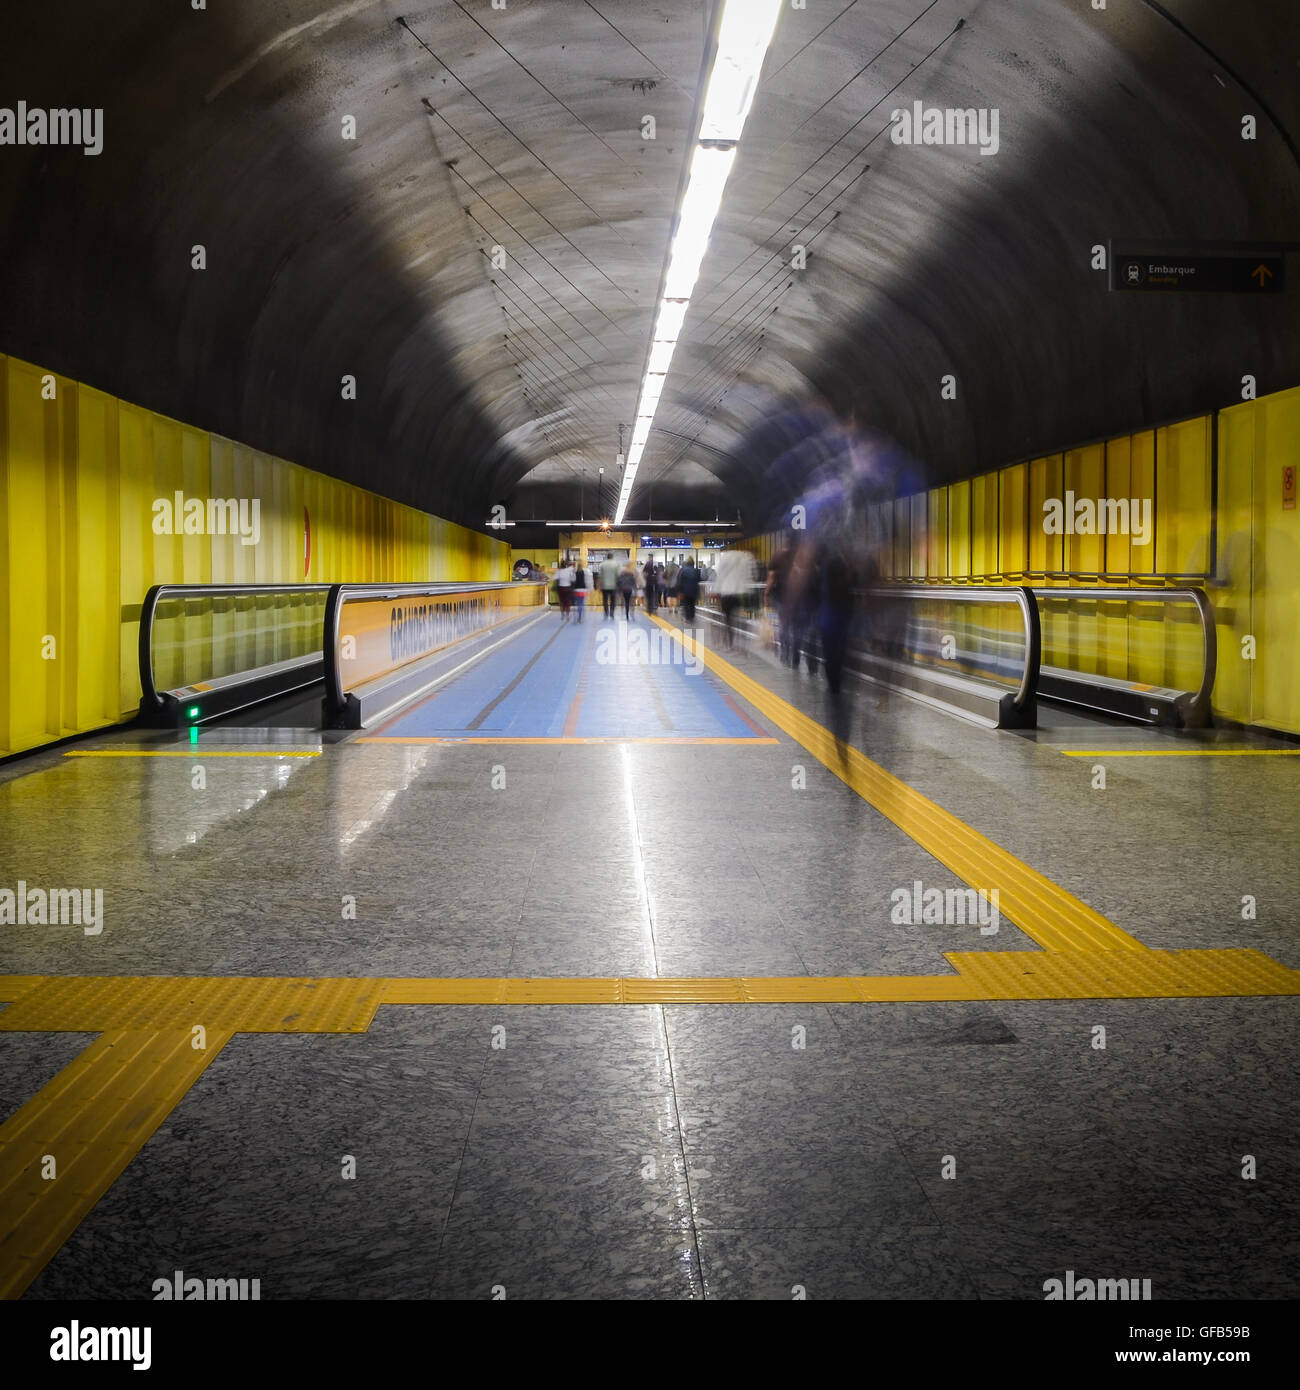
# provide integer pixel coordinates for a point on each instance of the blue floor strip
(596, 679)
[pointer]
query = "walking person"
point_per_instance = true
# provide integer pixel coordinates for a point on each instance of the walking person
(775, 595)
(650, 581)
(735, 577)
(564, 587)
(833, 617)
(579, 588)
(608, 583)
(627, 587)
(799, 615)
(671, 571)
(688, 589)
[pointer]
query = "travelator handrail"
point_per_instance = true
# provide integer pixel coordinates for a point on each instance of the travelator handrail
(1194, 706)
(336, 697)
(151, 696)
(1026, 693)
(320, 662)
(1198, 705)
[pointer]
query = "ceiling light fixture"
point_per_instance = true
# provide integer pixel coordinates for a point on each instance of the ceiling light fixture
(744, 35)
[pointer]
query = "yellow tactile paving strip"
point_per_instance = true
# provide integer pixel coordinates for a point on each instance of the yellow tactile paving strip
(981, 975)
(158, 1033)
(1181, 752)
(1057, 920)
(88, 1123)
(246, 1004)
(97, 1114)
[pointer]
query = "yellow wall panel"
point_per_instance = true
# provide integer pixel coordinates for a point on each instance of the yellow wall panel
(1083, 475)
(1013, 541)
(80, 472)
(1118, 549)
(959, 549)
(918, 535)
(1183, 503)
(1276, 676)
(936, 556)
(1045, 549)
(984, 525)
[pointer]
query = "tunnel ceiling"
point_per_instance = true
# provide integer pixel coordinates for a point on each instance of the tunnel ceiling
(521, 128)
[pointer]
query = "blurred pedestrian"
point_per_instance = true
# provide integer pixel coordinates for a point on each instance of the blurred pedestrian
(579, 588)
(688, 590)
(608, 583)
(799, 609)
(650, 583)
(627, 587)
(564, 588)
(671, 571)
(735, 574)
(834, 621)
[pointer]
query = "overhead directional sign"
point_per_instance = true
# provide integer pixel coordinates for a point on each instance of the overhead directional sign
(1189, 269)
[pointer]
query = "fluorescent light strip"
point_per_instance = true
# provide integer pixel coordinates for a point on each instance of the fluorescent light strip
(710, 169)
(661, 357)
(668, 324)
(743, 39)
(744, 34)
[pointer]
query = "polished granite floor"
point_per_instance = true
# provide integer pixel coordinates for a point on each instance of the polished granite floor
(941, 1150)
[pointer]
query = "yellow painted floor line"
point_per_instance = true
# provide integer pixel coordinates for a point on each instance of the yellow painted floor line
(1053, 917)
(1181, 752)
(401, 738)
(85, 1126)
(194, 749)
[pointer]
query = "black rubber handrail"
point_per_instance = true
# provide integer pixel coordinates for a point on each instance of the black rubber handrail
(1193, 704)
(151, 696)
(1024, 698)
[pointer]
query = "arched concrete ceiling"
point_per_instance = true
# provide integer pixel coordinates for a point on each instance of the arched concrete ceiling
(522, 128)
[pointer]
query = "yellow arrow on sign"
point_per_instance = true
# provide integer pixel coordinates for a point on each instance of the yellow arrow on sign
(1263, 272)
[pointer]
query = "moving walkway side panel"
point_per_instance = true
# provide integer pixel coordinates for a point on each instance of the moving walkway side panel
(987, 700)
(280, 620)
(1146, 703)
(377, 636)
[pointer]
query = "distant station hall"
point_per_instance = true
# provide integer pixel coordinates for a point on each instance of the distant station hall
(648, 653)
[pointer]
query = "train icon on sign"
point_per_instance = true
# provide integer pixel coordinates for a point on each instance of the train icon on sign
(1133, 272)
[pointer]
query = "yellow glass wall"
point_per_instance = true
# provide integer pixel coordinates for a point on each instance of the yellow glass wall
(80, 472)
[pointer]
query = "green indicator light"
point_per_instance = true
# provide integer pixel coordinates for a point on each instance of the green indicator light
(193, 711)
